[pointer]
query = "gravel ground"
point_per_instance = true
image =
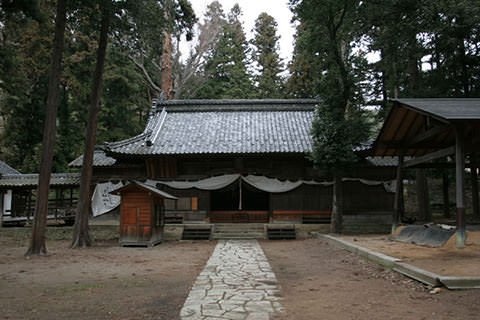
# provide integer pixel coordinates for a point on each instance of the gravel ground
(320, 281)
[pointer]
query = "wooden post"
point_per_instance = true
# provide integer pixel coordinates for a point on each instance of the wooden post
(446, 200)
(459, 188)
(398, 206)
(336, 224)
(474, 178)
(423, 204)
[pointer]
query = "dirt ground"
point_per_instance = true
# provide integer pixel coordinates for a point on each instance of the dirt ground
(446, 261)
(320, 281)
(102, 282)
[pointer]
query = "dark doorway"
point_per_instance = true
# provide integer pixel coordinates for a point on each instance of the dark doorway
(239, 202)
(228, 198)
(254, 199)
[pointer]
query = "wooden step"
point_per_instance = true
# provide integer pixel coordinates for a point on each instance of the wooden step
(281, 233)
(192, 233)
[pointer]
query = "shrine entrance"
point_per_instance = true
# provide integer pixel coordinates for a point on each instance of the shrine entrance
(239, 202)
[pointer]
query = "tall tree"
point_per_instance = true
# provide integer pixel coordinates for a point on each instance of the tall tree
(302, 68)
(227, 64)
(80, 236)
(153, 54)
(265, 54)
(189, 77)
(339, 124)
(37, 245)
(110, 9)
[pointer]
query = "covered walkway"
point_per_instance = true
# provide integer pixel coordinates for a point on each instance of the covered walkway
(427, 131)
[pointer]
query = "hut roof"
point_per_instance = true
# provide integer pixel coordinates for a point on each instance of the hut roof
(145, 187)
(178, 127)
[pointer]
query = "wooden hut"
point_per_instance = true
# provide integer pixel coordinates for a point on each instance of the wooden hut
(141, 214)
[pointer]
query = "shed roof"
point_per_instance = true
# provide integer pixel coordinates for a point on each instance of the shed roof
(6, 169)
(415, 127)
(445, 108)
(31, 180)
(177, 127)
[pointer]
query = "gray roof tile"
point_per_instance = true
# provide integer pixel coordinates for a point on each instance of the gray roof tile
(6, 169)
(23, 180)
(446, 108)
(223, 126)
(100, 159)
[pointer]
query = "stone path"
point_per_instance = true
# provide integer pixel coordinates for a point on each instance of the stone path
(237, 283)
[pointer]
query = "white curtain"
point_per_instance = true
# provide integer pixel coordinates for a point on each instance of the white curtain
(263, 183)
(102, 200)
(213, 183)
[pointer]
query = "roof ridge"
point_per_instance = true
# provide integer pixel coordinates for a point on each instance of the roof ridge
(120, 143)
(158, 102)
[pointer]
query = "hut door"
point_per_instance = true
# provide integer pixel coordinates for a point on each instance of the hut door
(136, 227)
(130, 217)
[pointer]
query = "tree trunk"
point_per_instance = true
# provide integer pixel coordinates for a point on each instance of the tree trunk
(166, 63)
(81, 237)
(37, 245)
(167, 82)
(446, 200)
(423, 204)
(336, 224)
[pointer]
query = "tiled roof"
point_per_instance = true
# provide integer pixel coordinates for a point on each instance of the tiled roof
(223, 126)
(6, 169)
(446, 108)
(100, 159)
(23, 180)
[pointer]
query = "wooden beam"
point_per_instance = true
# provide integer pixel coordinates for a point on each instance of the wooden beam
(419, 146)
(431, 156)
(460, 186)
(435, 131)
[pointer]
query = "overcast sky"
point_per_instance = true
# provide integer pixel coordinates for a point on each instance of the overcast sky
(251, 9)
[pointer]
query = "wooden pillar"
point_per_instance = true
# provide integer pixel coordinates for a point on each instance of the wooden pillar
(459, 188)
(474, 181)
(423, 203)
(336, 224)
(446, 199)
(398, 206)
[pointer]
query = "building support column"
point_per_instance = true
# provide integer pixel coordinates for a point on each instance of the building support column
(423, 203)
(398, 206)
(446, 200)
(459, 188)
(474, 180)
